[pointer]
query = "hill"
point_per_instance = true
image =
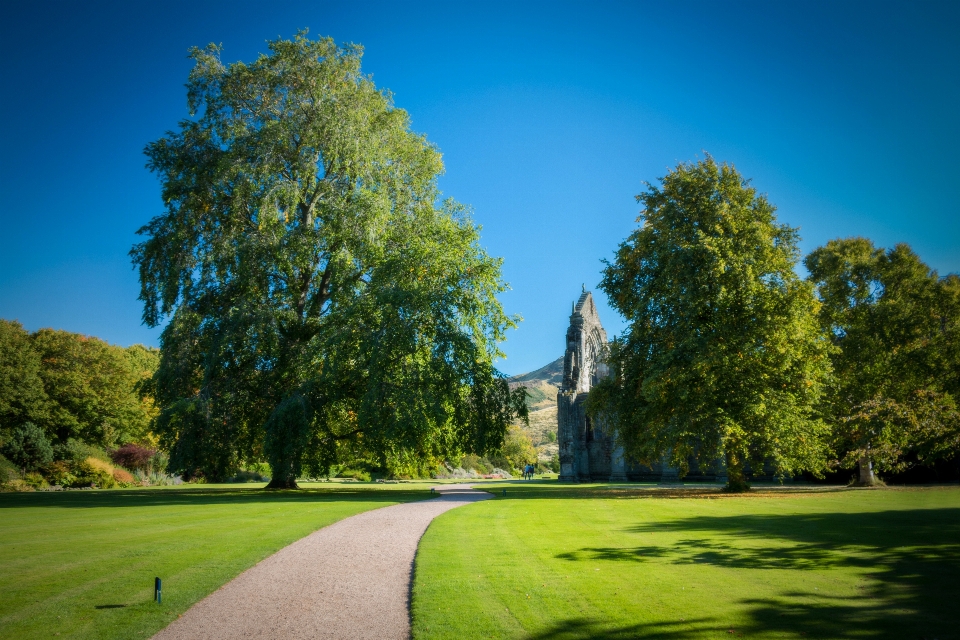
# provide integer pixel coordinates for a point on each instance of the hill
(542, 387)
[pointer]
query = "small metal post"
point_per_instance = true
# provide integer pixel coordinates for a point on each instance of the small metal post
(158, 590)
(504, 493)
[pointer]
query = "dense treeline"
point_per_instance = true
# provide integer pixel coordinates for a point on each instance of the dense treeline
(733, 359)
(66, 396)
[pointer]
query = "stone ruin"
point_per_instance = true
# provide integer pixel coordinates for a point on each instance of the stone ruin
(588, 452)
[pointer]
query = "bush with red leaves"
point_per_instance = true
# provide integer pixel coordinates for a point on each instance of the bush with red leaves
(133, 456)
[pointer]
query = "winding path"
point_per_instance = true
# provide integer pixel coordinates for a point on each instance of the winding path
(351, 579)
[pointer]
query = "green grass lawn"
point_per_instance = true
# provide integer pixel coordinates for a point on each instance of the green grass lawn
(550, 561)
(81, 564)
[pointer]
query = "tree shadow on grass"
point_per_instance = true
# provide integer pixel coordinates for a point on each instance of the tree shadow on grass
(203, 496)
(909, 561)
(584, 628)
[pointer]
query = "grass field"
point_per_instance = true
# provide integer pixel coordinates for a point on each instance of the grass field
(550, 561)
(81, 564)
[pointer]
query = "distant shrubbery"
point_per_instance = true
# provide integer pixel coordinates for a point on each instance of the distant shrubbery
(356, 474)
(78, 465)
(249, 476)
(473, 467)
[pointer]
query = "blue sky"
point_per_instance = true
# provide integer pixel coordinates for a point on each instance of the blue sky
(550, 117)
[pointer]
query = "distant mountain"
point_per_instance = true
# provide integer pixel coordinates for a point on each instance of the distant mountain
(541, 385)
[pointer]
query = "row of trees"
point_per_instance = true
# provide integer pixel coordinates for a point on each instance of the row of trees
(74, 388)
(731, 357)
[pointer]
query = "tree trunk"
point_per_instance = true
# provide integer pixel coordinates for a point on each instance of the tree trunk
(280, 483)
(736, 474)
(867, 478)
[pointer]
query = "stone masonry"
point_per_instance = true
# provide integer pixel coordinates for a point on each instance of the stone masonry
(588, 452)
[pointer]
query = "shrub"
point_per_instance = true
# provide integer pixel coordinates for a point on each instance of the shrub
(259, 467)
(356, 474)
(16, 485)
(159, 462)
(123, 477)
(456, 474)
(248, 476)
(472, 462)
(28, 447)
(59, 472)
(93, 473)
(36, 480)
(155, 479)
(133, 456)
(554, 463)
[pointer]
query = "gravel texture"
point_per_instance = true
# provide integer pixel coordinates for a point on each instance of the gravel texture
(351, 579)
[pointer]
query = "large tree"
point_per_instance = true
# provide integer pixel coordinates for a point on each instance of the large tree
(895, 324)
(722, 358)
(322, 304)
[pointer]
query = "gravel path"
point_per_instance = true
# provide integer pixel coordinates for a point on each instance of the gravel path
(351, 579)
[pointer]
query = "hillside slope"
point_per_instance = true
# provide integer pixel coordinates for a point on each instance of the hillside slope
(541, 385)
(542, 401)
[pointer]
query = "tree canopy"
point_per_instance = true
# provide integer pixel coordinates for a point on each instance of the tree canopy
(723, 357)
(22, 396)
(323, 303)
(896, 326)
(74, 386)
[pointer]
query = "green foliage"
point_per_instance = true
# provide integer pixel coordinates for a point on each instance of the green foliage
(92, 473)
(554, 464)
(896, 326)
(75, 387)
(357, 474)
(22, 398)
(94, 388)
(35, 480)
(76, 451)
(60, 472)
(8, 470)
(248, 476)
(27, 447)
(518, 449)
(723, 356)
(473, 462)
(322, 307)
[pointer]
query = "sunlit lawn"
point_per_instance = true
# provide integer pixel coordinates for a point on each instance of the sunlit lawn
(81, 564)
(594, 562)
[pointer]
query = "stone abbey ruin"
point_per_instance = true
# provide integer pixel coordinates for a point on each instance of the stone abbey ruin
(587, 451)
